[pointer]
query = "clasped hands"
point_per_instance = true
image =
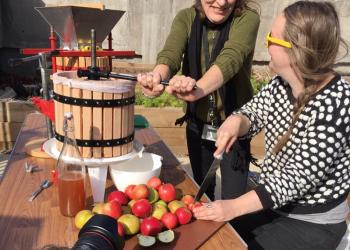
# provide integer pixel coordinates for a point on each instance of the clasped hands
(180, 86)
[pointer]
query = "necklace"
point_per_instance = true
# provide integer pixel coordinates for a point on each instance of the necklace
(213, 35)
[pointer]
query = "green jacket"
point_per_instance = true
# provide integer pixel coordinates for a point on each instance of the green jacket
(235, 59)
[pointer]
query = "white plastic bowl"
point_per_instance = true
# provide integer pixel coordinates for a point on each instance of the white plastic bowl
(136, 170)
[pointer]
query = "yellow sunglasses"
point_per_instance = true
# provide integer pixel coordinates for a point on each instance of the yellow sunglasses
(274, 40)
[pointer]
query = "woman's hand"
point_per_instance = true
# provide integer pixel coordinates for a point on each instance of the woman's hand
(183, 88)
(227, 134)
(150, 83)
(220, 210)
(181, 84)
(225, 210)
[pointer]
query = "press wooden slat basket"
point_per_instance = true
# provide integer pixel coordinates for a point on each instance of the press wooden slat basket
(103, 114)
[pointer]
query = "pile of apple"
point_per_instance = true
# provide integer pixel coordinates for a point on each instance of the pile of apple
(145, 210)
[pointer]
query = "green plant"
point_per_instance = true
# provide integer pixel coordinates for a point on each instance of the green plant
(260, 77)
(257, 84)
(166, 100)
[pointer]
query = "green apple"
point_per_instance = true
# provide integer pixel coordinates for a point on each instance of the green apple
(158, 211)
(82, 217)
(153, 195)
(126, 210)
(131, 223)
(131, 203)
(146, 241)
(166, 236)
(174, 205)
(98, 208)
(161, 202)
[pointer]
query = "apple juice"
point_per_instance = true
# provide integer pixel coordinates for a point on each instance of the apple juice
(71, 193)
(71, 172)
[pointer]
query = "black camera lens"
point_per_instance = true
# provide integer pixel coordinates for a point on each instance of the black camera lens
(99, 233)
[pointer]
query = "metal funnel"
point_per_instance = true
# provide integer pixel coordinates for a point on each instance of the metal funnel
(73, 24)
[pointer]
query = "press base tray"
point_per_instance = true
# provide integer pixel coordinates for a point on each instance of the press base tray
(50, 148)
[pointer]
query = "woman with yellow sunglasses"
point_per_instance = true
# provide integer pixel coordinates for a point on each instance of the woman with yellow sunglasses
(301, 199)
(273, 40)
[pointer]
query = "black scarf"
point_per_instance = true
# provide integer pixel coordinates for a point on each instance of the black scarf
(191, 65)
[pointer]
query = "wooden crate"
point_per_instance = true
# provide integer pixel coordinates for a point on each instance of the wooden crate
(6, 145)
(15, 110)
(9, 131)
(12, 115)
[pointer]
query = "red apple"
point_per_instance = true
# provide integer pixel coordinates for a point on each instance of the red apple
(184, 215)
(169, 220)
(121, 231)
(154, 182)
(194, 205)
(151, 226)
(140, 192)
(113, 209)
(128, 191)
(118, 196)
(142, 208)
(187, 199)
(167, 192)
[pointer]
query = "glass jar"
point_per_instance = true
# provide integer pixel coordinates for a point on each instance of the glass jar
(71, 172)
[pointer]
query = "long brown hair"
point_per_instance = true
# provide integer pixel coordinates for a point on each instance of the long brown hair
(313, 29)
(240, 5)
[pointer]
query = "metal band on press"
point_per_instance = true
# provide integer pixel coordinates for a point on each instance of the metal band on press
(99, 143)
(94, 102)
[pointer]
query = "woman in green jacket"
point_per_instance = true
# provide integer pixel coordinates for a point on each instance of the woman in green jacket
(212, 43)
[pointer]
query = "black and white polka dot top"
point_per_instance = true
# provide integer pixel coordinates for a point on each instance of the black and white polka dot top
(311, 172)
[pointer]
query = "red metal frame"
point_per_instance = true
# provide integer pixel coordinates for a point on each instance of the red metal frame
(76, 53)
(68, 53)
(52, 39)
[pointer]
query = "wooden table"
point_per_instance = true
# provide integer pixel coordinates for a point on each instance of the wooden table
(38, 224)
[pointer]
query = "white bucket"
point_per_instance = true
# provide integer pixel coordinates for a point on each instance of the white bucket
(135, 171)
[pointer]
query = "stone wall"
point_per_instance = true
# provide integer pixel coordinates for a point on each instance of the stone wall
(143, 27)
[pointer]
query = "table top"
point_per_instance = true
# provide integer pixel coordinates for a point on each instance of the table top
(38, 224)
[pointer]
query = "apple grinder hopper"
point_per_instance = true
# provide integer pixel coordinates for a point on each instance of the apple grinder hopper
(73, 24)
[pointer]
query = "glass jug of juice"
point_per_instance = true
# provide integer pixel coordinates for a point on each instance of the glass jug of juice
(71, 172)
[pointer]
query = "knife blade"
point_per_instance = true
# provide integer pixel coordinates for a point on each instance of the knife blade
(208, 177)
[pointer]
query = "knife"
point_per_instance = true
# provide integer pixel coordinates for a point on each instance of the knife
(208, 177)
